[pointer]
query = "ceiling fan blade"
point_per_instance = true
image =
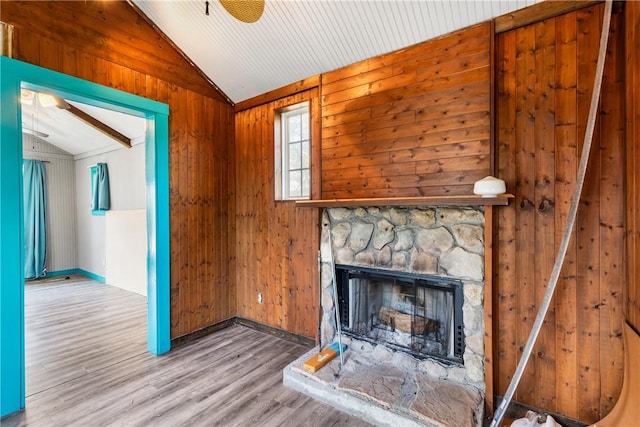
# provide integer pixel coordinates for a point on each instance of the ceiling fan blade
(244, 10)
(35, 132)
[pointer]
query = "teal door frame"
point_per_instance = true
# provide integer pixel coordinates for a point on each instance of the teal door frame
(14, 75)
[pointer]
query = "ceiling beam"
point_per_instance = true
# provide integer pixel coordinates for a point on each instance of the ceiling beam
(288, 90)
(93, 122)
(538, 12)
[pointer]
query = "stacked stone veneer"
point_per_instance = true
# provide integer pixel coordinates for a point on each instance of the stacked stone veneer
(442, 241)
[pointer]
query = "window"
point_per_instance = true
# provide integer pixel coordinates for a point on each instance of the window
(293, 152)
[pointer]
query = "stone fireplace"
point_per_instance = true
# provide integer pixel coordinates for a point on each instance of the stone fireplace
(444, 242)
(409, 285)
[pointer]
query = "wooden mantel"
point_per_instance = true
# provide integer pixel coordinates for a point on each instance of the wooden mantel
(459, 200)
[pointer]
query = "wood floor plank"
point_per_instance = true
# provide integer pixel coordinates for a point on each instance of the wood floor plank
(87, 365)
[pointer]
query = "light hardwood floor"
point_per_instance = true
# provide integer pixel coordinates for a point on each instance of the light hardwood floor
(87, 365)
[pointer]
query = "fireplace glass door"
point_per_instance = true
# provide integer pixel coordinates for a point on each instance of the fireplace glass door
(418, 314)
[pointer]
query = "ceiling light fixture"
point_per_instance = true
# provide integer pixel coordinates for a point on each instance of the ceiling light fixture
(47, 100)
(26, 97)
(489, 186)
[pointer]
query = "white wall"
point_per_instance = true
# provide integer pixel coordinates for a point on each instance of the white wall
(127, 189)
(126, 249)
(60, 193)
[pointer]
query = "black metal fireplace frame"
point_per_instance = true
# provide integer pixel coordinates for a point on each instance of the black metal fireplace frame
(346, 272)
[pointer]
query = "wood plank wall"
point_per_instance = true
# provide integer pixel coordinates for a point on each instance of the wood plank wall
(543, 91)
(415, 122)
(276, 243)
(108, 43)
(632, 31)
(545, 75)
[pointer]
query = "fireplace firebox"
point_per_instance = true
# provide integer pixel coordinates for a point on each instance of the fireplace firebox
(417, 314)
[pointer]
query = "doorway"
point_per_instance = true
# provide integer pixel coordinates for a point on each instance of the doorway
(16, 75)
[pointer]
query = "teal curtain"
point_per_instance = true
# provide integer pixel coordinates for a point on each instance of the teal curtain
(35, 236)
(101, 188)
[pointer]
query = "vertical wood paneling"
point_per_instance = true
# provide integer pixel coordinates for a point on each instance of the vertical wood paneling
(544, 213)
(505, 312)
(276, 243)
(545, 76)
(413, 122)
(107, 43)
(587, 223)
(566, 167)
(632, 84)
(525, 202)
(612, 222)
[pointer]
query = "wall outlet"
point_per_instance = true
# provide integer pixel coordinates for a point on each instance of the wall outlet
(259, 297)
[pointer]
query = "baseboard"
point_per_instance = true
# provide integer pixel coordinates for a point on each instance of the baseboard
(517, 410)
(195, 335)
(90, 275)
(73, 271)
(280, 333)
(59, 273)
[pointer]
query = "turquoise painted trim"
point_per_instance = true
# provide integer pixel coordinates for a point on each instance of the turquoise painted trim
(13, 75)
(80, 271)
(91, 275)
(157, 177)
(12, 388)
(63, 272)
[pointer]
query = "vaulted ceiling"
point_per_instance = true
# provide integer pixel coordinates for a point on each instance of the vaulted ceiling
(296, 39)
(65, 130)
(293, 40)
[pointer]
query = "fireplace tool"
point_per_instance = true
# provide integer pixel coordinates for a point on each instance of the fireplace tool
(325, 356)
(335, 298)
(319, 300)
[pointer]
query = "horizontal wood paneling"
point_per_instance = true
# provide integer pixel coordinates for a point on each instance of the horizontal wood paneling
(544, 83)
(415, 122)
(109, 44)
(632, 84)
(276, 243)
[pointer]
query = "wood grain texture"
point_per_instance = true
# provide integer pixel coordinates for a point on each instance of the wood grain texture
(109, 44)
(415, 122)
(538, 12)
(111, 30)
(467, 200)
(274, 95)
(489, 259)
(87, 364)
(632, 64)
(276, 243)
(544, 83)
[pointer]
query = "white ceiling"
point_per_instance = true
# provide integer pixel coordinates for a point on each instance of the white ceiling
(74, 136)
(296, 39)
(293, 40)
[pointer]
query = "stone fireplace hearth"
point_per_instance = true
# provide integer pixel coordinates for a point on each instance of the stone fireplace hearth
(430, 242)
